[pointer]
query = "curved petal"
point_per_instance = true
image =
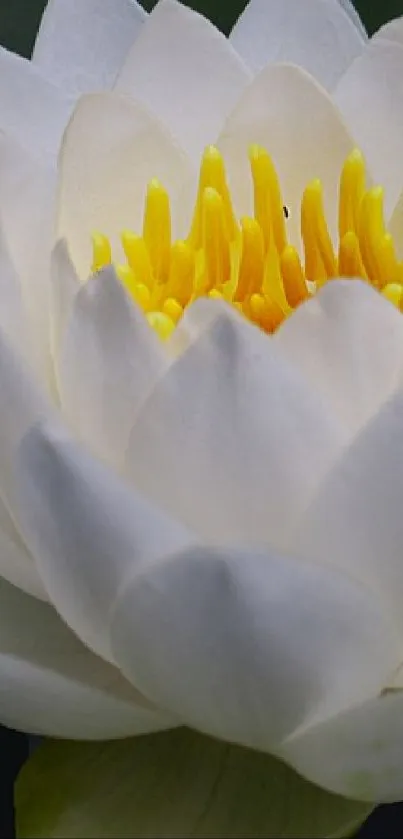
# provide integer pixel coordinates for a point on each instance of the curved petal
(23, 403)
(350, 9)
(317, 35)
(112, 148)
(51, 684)
(355, 523)
(245, 646)
(109, 361)
(370, 97)
(32, 109)
(358, 754)
(16, 565)
(86, 530)
(232, 440)
(395, 226)
(391, 31)
(286, 111)
(171, 67)
(81, 46)
(27, 217)
(348, 342)
(65, 285)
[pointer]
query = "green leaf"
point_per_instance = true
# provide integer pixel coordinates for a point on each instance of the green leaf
(174, 784)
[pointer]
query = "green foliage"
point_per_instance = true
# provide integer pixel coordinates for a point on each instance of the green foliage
(174, 784)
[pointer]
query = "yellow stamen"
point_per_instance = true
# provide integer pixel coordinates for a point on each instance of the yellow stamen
(101, 252)
(250, 264)
(267, 198)
(352, 188)
(157, 230)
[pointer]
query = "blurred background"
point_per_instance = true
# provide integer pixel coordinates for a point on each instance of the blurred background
(19, 21)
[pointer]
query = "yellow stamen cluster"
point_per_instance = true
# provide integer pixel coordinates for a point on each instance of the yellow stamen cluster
(250, 263)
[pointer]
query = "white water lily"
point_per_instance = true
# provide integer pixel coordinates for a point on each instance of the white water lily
(216, 517)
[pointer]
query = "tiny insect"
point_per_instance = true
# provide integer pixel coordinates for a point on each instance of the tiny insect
(286, 211)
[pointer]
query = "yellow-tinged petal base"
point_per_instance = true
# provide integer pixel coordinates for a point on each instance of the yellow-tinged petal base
(250, 263)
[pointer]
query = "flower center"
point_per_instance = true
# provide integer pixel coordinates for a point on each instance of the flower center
(251, 263)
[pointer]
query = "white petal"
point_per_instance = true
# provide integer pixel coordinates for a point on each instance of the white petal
(51, 684)
(348, 342)
(86, 530)
(27, 217)
(109, 361)
(370, 97)
(232, 440)
(112, 148)
(246, 645)
(32, 109)
(391, 31)
(350, 9)
(317, 35)
(285, 111)
(82, 45)
(358, 754)
(16, 565)
(13, 317)
(186, 72)
(22, 404)
(64, 287)
(355, 523)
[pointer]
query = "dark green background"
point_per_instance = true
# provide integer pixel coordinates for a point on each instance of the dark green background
(19, 19)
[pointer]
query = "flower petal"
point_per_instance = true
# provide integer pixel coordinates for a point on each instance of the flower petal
(16, 565)
(173, 62)
(232, 440)
(27, 217)
(355, 523)
(286, 111)
(370, 98)
(109, 361)
(65, 285)
(348, 342)
(81, 46)
(32, 109)
(51, 684)
(391, 31)
(358, 754)
(317, 35)
(112, 148)
(350, 9)
(246, 645)
(86, 530)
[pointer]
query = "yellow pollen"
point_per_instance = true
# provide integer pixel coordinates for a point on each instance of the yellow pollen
(251, 264)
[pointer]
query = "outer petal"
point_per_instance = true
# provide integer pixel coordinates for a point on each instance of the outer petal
(355, 523)
(26, 218)
(186, 72)
(358, 754)
(232, 439)
(350, 9)
(86, 530)
(32, 109)
(370, 97)
(288, 113)
(245, 646)
(16, 565)
(112, 148)
(391, 31)
(318, 35)
(82, 45)
(396, 225)
(109, 361)
(348, 341)
(65, 285)
(51, 684)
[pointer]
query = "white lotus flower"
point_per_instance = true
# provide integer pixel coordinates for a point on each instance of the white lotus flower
(216, 517)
